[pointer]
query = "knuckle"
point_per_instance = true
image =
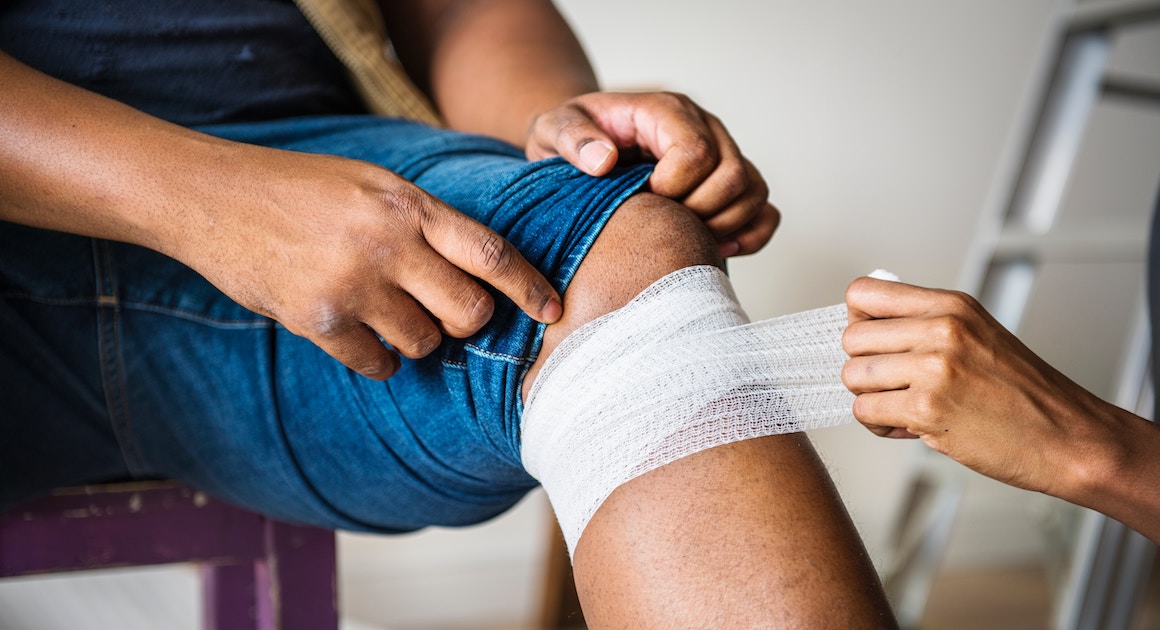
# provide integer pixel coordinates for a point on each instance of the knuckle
(849, 373)
(574, 124)
(734, 181)
(677, 99)
(861, 409)
(771, 213)
(924, 406)
(699, 147)
(407, 203)
(477, 310)
(326, 321)
(421, 343)
(857, 287)
(965, 302)
(758, 184)
(849, 339)
(852, 339)
(957, 304)
(939, 370)
(378, 368)
(566, 129)
(949, 332)
(757, 234)
(492, 254)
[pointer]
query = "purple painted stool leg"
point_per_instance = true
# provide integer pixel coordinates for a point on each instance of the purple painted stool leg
(256, 572)
(298, 574)
(228, 597)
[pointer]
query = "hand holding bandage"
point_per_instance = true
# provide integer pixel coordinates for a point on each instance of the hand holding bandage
(935, 365)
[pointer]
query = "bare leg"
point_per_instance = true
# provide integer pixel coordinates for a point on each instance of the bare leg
(751, 534)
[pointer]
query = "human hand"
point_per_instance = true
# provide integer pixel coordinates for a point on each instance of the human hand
(935, 365)
(698, 163)
(338, 250)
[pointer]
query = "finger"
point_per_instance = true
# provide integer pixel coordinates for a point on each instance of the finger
(486, 255)
(731, 219)
(405, 325)
(890, 432)
(878, 373)
(753, 236)
(885, 336)
(357, 347)
(873, 298)
(459, 304)
(884, 410)
(571, 133)
(677, 132)
(735, 214)
(732, 178)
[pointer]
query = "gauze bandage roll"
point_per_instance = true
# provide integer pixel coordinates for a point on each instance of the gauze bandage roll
(677, 370)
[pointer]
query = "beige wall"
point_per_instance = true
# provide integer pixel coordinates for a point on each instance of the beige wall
(879, 126)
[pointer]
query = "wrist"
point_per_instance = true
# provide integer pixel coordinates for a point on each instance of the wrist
(1106, 459)
(185, 181)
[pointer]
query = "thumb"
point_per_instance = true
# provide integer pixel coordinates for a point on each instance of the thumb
(569, 132)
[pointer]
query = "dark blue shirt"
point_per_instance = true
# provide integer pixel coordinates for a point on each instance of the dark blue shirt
(188, 61)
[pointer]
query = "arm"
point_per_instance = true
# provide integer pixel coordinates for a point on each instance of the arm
(513, 69)
(490, 66)
(334, 249)
(935, 365)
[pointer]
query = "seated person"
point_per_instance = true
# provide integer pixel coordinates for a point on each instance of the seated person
(207, 241)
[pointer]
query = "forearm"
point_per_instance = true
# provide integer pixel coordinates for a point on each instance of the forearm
(490, 65)
(1120, 474)
(76, 162)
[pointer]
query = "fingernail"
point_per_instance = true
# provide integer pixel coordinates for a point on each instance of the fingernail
(593, 156)
(731, 248)
(552, 311)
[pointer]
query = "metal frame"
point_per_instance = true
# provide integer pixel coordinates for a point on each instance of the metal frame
(1110, 563)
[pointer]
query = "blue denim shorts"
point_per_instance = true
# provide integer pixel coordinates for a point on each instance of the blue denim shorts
(117, 362)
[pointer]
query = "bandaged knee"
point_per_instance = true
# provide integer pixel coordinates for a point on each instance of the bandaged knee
(678, 370)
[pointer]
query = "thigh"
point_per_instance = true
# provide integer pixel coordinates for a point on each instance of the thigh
(52, 398)
(205, 391)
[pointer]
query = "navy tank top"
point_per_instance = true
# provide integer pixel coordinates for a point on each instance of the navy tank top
(188, 61)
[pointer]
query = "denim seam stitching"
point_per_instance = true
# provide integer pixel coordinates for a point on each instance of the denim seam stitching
(112, 369)
(146, 307)
(507, 358)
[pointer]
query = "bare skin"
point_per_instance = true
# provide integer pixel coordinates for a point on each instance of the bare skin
(339, 250)
(934, 365)
(521, 53)
(335, 249)
(747, 535)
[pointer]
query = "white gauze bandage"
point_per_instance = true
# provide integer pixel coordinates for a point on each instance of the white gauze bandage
(677, 370)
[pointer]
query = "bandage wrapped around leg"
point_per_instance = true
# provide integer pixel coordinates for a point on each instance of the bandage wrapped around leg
(677, 370)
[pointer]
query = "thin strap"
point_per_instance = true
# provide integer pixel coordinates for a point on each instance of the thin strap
(354, 31)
